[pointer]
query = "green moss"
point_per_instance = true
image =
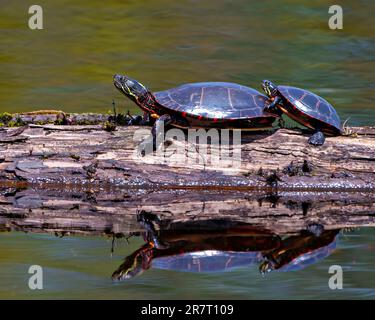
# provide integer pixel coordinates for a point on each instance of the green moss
(109, 126)
(17, 123)
(60, 121)
(41, 122)
(12, 124)
(5, 117)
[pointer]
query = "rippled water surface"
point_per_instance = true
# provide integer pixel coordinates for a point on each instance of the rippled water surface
(69, 66)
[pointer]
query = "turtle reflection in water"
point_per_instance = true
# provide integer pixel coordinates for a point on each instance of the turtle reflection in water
(222, 245)
(300, 251)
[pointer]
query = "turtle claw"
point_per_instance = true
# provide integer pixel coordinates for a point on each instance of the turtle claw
(147, 217)
(317, 139)
(266, 267)
(281, 123)
(135, 121)
(316, 229)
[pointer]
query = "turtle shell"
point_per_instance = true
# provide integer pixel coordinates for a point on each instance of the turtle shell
(310, 258)
(216, 101)
(310, 110)
(207, 261)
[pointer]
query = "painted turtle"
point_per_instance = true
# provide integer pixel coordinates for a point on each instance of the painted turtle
(300, 251)
(200, 246)
(200, 105)
(306, 108)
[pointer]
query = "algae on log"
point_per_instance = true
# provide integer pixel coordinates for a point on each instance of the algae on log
(279, 159)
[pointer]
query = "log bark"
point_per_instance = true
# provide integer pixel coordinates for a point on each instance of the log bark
(279, 159)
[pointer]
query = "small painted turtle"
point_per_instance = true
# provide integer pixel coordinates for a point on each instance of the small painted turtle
(201, 105)
(306, 108)
(300, 251)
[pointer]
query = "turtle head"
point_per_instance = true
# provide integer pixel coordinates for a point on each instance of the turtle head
(130, 87)
(269, 88)
(266, 266)
(127, 271)
(134, 264)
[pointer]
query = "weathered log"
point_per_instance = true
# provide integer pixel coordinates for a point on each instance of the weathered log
(281, 159)
(88, 179)
(90, 210)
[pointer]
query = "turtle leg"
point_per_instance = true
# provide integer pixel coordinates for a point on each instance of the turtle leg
(134, 121)
(158, 128)
(147, 220)
(146, 119)
(281, 122)
(156, 132)
(266, 266)
(272, 105)
(317, 139)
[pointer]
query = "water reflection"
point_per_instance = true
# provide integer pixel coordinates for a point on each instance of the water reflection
(204, 233)
(223, 245)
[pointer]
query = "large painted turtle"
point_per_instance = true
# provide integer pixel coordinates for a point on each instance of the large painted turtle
(300, 251)
(200, 105)
(306, 108)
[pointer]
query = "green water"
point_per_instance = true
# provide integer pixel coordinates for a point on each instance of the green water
(80, 268)
(69, 66)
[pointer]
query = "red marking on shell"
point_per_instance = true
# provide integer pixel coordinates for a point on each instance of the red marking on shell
(263, 121)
